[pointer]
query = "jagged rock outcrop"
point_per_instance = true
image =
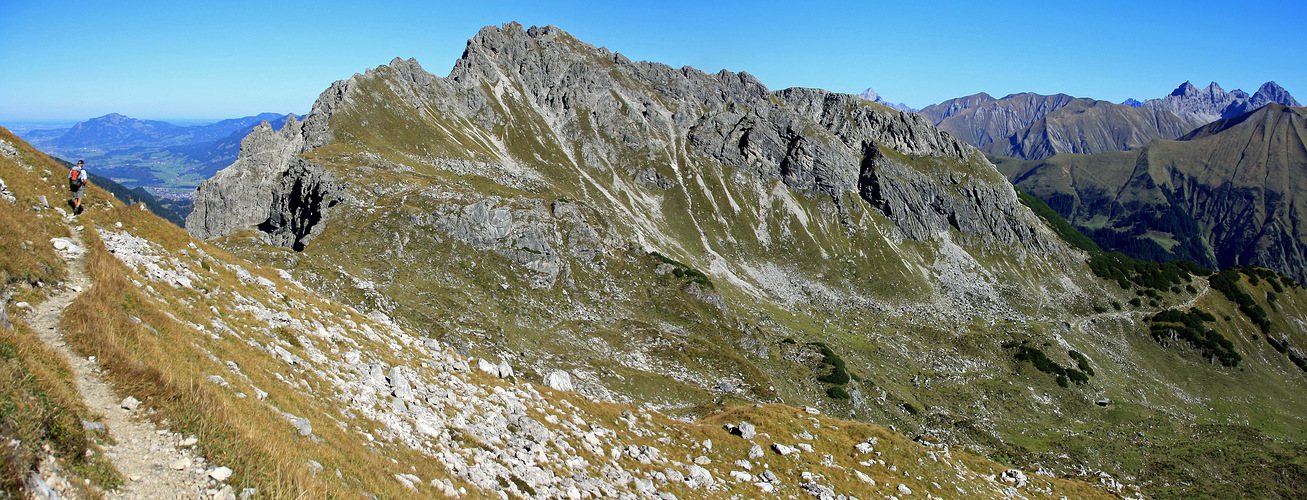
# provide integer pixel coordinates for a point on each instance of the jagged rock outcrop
(1033, 126)
(1204, 105)
(269, 187)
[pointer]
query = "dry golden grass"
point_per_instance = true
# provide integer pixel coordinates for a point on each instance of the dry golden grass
(39, 404)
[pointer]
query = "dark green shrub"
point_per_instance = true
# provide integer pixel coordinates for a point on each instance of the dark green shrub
(1136, 302)
(1189, 327)
(837, 392)
(684, 271)
(1077, 376)
(1041, 361)
(1081, 362)
(910, 409)
(839, 375)
(1062, 381)
(1059, 225)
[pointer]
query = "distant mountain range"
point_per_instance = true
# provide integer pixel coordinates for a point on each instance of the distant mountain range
(1231, 192)
(1035, 126)
(169, 160)
(872, 96)
(1214, 103)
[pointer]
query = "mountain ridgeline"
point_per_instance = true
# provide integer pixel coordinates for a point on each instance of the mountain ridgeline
(166, 158)
(688, 241)
(1033, 126)
(1226, 194)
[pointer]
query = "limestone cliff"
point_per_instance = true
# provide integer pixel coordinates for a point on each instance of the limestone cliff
(596, 107)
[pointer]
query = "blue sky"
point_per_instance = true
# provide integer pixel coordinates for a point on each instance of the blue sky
(178, 60)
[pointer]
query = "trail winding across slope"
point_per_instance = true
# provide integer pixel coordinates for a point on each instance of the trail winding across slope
(152, 461)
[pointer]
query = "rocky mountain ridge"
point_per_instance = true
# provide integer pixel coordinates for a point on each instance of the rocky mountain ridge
(687, 241)
(1213, 103)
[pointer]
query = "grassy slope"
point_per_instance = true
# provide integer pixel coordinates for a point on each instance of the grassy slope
(157, 346)
(40, 410)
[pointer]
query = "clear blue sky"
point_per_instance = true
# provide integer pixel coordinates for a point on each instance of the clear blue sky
(173, 60)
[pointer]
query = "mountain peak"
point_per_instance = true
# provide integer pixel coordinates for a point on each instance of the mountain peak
(1272, 92)
(871, 95)
(1185, 89)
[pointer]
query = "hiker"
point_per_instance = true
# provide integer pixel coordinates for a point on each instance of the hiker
(77, 184)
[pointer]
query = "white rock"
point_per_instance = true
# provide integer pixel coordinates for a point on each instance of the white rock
(559, 380)
(783, 450)
(765, 487)
(130, 403)
(904, 489)
(220, 474)
(755, 452)
(864, 478)
(190, 441)
(747, 430)
(701, 475)
(812, 410)
(487, 367)
(226, 492)
(180, 464)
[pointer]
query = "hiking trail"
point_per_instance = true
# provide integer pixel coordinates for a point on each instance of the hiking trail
(154, 462)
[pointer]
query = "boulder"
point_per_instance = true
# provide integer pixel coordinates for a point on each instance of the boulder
(559, 380)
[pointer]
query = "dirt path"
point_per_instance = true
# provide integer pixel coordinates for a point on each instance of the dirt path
(154, 462)
(1203, 285)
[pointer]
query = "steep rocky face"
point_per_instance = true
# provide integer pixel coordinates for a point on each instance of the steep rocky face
(814, 140)
(936, 113)
(1213, 103)
(1228, 193)
(269, 187)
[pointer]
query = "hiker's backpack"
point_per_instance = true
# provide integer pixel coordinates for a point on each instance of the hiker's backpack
(76, 180)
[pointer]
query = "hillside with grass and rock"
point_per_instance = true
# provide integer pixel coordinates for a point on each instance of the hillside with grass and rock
(686, 242)
(559, 273)
(139, 362)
